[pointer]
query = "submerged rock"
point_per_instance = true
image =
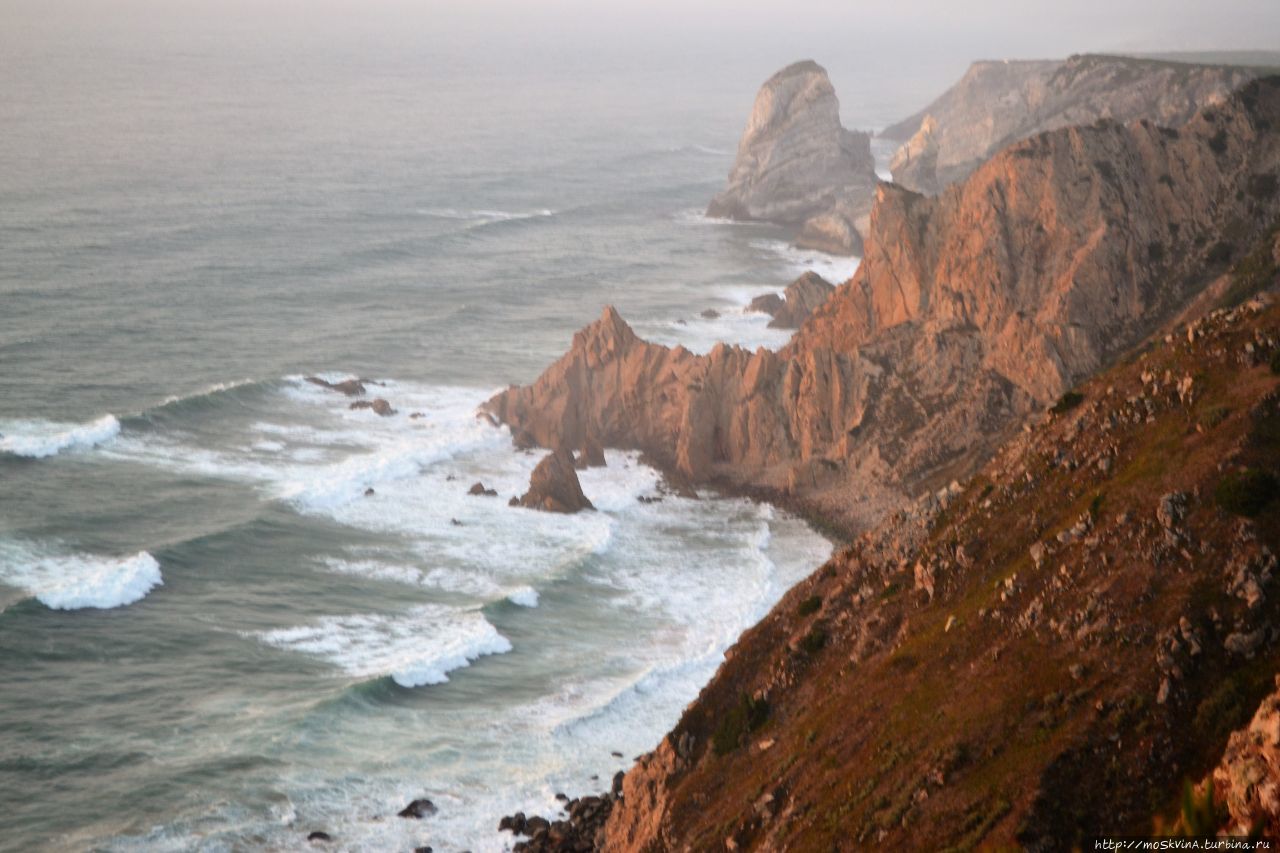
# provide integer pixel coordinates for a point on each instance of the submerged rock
(554, 486)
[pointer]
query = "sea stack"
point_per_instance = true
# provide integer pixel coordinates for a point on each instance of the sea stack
(798, 166)
(554, 486)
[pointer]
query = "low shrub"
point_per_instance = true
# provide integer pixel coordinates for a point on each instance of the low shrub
(1246, 492)
(1067, 402)
(742, 719)
(814, 641)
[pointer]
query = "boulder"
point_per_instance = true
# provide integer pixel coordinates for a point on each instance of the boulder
(319, 836)
(710, 314)
(554, 486)
(478, 488)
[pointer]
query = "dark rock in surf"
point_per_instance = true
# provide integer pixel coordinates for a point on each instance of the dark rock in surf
(768, 303)
(350, 387)
(319, 836)
(379, 406)
(478, 489)
(418, 809)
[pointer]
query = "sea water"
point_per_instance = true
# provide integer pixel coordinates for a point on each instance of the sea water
(233, 610)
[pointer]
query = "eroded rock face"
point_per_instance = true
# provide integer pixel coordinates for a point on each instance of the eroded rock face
(797, 165)
(969, 312)
(802, 297)
(997, 103)
(554, 486)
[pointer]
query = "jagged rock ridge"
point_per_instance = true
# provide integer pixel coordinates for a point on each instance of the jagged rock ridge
(797, 165)
(969, 312)
(997, 103)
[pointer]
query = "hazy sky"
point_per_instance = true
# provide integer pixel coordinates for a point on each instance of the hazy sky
(993, 27)
(882, 55)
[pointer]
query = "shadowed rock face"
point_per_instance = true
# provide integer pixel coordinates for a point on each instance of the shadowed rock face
(969, 312)
(997, 103)
(797, 165)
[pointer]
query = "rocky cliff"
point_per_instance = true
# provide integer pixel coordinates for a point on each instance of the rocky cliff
(997, 103)
(798, 166)
(1042, 656)
(970, 311)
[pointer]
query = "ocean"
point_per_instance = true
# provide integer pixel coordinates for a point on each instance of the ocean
(233, 610)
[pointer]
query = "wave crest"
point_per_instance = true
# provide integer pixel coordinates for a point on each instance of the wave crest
(38, 439)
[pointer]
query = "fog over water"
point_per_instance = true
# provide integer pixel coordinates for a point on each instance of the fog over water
(233, 610)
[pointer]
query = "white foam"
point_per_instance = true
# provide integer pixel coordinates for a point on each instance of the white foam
(215, 388)
(484, 216)
(416, 648)
(525, 596)
(37, 439)
(72, 581)
(735, 325)
(836, 269)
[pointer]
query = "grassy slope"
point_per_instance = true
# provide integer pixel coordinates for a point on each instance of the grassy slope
(1014, 726)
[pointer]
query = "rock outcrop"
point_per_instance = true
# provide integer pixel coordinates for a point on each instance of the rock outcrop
(554, 486)
(1247, 781)
(801, 298)
(969, 312)
(798, 166)
(998, 103)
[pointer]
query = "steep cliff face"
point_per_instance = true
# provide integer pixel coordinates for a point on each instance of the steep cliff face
(969, 312)
(997, 103)
(1041, 657)
(797, 165)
